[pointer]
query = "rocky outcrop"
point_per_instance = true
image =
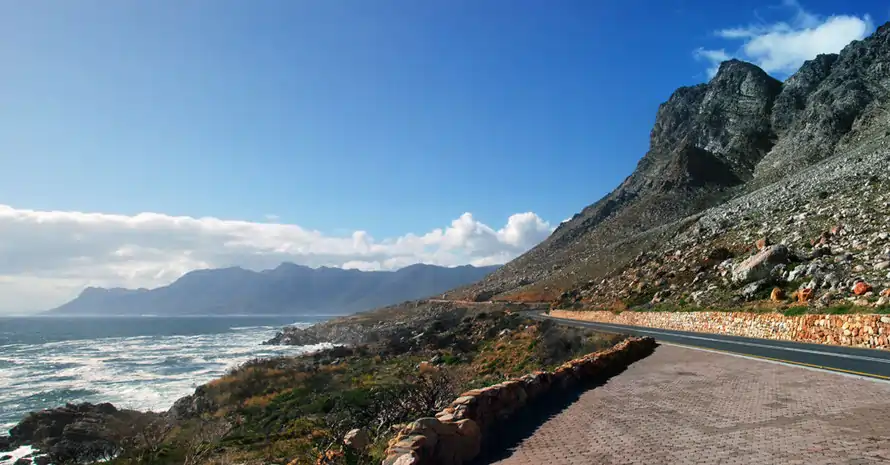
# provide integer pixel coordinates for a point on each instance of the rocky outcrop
(796, 90)
(859, 330)
(706, 140)
(78, 432)
(741, 134)
(833, 104)
(194, 405)
(456, 434)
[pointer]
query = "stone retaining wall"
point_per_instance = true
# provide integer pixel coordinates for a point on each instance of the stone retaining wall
(456, 434)
(856, 330)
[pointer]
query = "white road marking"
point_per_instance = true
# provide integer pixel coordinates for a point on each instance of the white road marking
(788, 364)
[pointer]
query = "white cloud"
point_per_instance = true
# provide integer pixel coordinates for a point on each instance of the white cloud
(714, 57)
(47, 257)
(781, 47)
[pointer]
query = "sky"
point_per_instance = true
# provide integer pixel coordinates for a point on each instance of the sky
(142, 140)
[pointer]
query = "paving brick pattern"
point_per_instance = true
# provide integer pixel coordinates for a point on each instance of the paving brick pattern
(682, 406)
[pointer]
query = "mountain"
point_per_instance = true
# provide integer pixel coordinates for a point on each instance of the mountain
(743, 146)
(287, 289)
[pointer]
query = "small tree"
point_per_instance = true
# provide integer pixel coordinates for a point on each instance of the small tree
(203, 440)
(149, 439)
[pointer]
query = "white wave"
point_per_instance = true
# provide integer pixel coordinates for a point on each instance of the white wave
(145, 372)
(23, 451)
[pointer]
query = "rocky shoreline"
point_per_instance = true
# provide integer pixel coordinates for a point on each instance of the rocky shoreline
(75, 432)
(404, 352)
(97, 431)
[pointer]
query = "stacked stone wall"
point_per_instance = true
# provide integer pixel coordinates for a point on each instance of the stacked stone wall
(456, 434)
(854, 330)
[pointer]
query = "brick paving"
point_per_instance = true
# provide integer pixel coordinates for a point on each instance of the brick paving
(682, 406)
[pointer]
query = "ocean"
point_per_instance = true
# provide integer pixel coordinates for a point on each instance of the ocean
(144, 363)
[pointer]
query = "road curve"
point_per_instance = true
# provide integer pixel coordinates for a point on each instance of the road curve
(863, 362)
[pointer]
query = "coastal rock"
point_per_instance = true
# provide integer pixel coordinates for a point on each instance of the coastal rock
(78, 431)
(192, 406)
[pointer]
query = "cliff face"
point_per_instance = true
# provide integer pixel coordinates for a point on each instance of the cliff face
(706, 141)
(833, 104)
(711, 142)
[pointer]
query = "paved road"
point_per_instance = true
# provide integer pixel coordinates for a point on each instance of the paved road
(863, 362)
(683, 406)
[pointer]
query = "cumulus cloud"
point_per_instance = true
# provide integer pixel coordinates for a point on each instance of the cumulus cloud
(781, 47)
(47, 257)
(714, 57)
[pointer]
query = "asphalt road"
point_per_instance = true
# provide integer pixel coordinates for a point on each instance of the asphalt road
(863, 362)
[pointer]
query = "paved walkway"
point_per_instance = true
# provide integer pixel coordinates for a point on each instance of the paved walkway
(684, 406)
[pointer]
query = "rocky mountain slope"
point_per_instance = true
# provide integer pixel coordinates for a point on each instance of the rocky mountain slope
(730, 160)
(287, 289)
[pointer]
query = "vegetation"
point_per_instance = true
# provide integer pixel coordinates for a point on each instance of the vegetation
(298, 409)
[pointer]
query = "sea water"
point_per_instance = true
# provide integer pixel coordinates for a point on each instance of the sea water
(143, 363)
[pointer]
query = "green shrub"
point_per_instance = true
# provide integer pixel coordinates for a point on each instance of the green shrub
(795, 311)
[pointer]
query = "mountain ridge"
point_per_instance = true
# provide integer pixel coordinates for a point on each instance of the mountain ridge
(710, 143)
(286, 289)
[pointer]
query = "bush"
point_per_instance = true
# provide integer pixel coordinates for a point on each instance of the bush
(795, 311)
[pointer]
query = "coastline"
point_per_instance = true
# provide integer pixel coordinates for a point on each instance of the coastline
(137, 370)
(443, 347)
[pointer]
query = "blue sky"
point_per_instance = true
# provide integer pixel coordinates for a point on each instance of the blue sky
(388, 116)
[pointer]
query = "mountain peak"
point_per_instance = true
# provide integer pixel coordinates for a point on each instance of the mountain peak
(734, 65)
(738, 133)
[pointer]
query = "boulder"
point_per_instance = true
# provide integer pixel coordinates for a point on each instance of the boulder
(760, 265)
(749, 291)
(427, 367)
(357, 439)
(861, 288)
(410, 458)
(805, 295)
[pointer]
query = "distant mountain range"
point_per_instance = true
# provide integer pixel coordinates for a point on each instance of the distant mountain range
(287, 289)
